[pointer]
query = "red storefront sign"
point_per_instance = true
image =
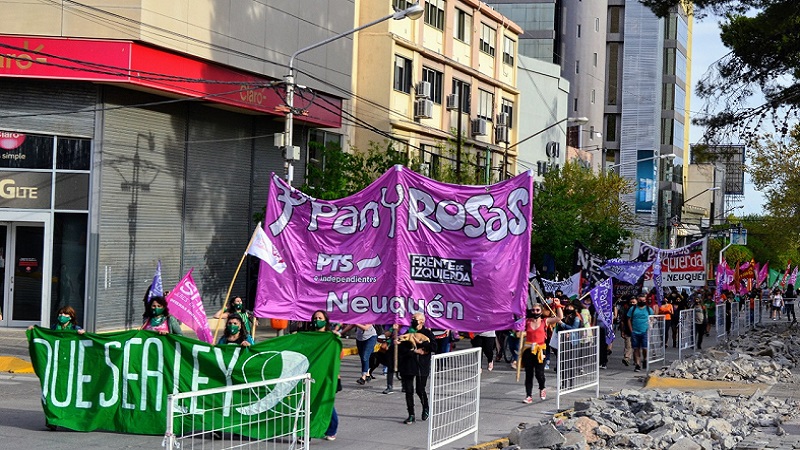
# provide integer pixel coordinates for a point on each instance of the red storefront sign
(141, 65)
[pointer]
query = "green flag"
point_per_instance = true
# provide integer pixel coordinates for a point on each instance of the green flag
(120, 381)
(773, 277)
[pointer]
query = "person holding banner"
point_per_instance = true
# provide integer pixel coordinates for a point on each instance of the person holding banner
(236, 306)
(414, 350)
(235, 332)
(321, 323)
(533, 351)
(158, 319)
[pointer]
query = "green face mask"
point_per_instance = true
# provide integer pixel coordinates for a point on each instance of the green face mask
(233, 329)
(63, 320)
(238, 306)
(319, 324)
(158, 311)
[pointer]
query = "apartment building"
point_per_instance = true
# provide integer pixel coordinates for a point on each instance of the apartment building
(443, 87)
(143, 130)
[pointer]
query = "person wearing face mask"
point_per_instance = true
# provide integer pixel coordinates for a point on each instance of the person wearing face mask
(237, 306)
(639, 323)
(414, 363)
(65, 321)
(320, 323)
(533, 351)
(158, 319)
(235, 332)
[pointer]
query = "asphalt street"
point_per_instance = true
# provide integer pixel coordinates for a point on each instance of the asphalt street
(368, 418)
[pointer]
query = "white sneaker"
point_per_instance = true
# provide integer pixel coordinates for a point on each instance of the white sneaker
(528, 400)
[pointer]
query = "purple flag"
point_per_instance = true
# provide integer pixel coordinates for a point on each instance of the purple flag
(406, 243)
(627, 271)
(157, 288)
(602, 298)
(186, 305)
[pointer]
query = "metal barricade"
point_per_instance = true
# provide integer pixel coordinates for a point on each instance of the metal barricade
(273, 414)
(455, 397)
(656, 342)
(720, 316)
(685, 331)
(746, 315)
(758, 310)
(734, 320)
(578, 361)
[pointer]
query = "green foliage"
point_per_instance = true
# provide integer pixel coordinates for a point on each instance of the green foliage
(577, 204)
(764, 62)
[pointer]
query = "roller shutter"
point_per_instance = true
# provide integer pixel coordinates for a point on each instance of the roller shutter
(48, 107)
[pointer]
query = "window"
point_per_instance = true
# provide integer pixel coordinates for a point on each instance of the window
(487, 39)
(669, 61)
(435, 78)
(593, 96)
(508, 51)
(485, 105)
(579, 30)
(577, 66)
(668, 96)
(594, 60)
(575, 104)
(463, 26)
(611, 128)
(434, 13)
(613, 73)
(507, 107)
(401, 4)
(464, 92)
(318, 140)
(614, 19)
(596, 24)
(402, 74)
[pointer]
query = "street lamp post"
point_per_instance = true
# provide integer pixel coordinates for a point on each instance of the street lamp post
(413, 12)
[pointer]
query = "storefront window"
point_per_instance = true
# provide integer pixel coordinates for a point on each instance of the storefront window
(25, 151)
(69, 263)
(73, 154)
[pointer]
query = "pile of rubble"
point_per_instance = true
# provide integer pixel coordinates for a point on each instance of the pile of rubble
(675, 420)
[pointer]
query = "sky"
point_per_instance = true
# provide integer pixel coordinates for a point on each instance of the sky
(706, 49)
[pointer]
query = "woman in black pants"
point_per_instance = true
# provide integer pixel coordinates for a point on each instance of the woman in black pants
(485, 341)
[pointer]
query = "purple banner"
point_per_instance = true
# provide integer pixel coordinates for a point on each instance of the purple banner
(627, 271)
(406, 243)
(603, 302)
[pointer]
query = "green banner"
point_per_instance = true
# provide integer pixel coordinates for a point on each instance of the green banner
(120, 381)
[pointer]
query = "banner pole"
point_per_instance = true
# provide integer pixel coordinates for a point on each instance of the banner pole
(522, 346)
(235, 274)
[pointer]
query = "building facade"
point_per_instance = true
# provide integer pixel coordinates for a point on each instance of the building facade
(143, 131)
(443, 87)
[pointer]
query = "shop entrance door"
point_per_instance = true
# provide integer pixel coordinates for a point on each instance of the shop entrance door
(25, 266)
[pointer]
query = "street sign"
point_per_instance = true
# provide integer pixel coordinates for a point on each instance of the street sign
(739, 236)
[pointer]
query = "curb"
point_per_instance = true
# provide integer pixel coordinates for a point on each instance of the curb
(495, 444)
(655, 382)
(14, 365)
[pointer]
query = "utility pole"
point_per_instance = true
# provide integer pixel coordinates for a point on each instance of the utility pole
(458, 131)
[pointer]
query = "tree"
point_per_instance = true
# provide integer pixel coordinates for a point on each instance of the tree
(764, 61)
(573, 204)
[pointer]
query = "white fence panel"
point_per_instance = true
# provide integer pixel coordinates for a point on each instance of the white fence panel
(685, 331)
(578, 361)
(720, 316)
(455, 397)
(283, 425)
(734, 320)
(656, 343)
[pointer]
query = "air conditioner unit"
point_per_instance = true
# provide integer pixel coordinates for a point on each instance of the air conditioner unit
(501, 134)
(479, 127)
(423, 108)
(423, 89)
(452, 101)
(503, 119)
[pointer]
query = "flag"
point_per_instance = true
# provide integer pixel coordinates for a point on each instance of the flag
(261, 247)
(602, 299)
(793, 278)
(786, 274)
(588, 264)
(627, 271)
(157, 288)
(570, 287)
(774, 277)
(763, 273)
(187, 306)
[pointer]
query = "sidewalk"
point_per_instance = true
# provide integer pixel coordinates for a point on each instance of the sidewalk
(368, 418)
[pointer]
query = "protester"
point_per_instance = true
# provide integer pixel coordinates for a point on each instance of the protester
(777, 304)
(711, 311)
(235, 332)
(65, 321)
(366, 337)
(625, 305)
(321, 323)
(533, 351)
(442, 339)
(486, 342)
(414, 364)
(789, 298)
(158, 319)
(667, 311)
(383, 356)
(237, 306)
(639, 322)
(700, 320)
